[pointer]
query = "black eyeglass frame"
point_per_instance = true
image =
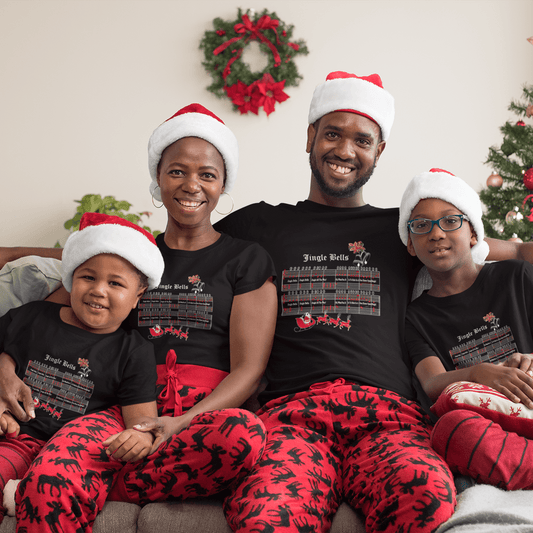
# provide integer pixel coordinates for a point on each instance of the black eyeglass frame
(433, 222)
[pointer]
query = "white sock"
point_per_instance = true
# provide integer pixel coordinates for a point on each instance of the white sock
(9, 496)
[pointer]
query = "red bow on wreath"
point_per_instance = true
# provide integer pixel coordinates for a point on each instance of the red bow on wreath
(248, 27)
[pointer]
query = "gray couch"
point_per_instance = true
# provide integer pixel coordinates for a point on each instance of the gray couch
(193, 516)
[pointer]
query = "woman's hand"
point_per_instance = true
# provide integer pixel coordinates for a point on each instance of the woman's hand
(8, 425)
(162, 428)
(510, 381)
(13, 390)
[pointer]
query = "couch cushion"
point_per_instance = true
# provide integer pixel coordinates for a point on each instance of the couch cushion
(346, 520)
(188, 516)
(116, 517)
(207, 516)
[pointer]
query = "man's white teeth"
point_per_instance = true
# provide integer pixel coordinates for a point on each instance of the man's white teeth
(338, 168)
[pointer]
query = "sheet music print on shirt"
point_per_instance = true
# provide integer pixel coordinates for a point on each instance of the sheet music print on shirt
(318, 295)
(173, 313)
(56, 390)
(494, 346)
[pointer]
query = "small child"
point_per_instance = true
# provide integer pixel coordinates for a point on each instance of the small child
(474, 324)
(77, 360)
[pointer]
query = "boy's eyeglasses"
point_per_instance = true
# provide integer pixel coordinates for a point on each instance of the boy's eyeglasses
(421, 226)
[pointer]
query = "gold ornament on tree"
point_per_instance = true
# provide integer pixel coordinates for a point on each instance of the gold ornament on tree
(515, 238)
(494, 180)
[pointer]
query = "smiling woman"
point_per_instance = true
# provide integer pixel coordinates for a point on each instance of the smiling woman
(211, 323)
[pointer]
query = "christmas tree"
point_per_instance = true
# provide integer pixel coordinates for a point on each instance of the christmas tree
(508, 198)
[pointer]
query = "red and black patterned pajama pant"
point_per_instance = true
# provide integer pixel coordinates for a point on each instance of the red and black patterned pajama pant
(475, 446)
(68, 483)
(16, 455)
(339, 441)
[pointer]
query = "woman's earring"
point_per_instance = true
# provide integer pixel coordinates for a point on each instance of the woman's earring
(153, 203)
(232, 204)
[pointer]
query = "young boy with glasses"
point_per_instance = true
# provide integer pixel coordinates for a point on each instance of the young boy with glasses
(473, 325)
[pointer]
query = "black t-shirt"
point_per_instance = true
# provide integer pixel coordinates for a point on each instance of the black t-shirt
(72, 371)
(489, 321)
(343, 285)
(190, 310)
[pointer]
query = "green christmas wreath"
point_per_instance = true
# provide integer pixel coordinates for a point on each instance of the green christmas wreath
(249, 91)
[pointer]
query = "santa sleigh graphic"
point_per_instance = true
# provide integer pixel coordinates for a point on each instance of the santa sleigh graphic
(157, 331)
(307, 321)
(304, 322)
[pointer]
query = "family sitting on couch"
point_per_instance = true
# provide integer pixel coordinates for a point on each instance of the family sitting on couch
(341, 416)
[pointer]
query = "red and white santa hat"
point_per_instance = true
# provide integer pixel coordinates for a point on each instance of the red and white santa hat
(363, 95)
(194, 120)
(106, 234)
(441, 184)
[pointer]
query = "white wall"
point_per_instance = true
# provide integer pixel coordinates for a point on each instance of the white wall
(85, 82)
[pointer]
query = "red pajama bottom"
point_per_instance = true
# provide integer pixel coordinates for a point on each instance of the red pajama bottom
(475, 446)
(67, 485)
(16, 456)
(341, 441)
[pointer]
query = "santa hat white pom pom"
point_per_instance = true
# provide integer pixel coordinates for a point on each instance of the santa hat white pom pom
(194, 120)
(445, 186)
(363, 95)
(105, 234)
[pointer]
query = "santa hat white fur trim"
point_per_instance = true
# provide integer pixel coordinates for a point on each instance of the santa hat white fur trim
(193, 125)
(451, 189)
(354, 94)
(126, 242)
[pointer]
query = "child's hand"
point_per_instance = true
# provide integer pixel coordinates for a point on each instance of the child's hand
(8, 425)
(523, 361)
(129, 445)
(511, 381)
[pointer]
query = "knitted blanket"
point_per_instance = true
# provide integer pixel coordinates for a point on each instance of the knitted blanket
(487, 509)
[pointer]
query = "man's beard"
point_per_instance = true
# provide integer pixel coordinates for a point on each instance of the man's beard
(348, 190)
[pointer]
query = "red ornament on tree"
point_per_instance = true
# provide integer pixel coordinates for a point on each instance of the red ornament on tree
(528, 178)
(494, 180)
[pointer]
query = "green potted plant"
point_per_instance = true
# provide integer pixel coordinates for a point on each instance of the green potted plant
(94, 203)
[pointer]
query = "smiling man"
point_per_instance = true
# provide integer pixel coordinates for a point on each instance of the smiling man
(341, 413)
